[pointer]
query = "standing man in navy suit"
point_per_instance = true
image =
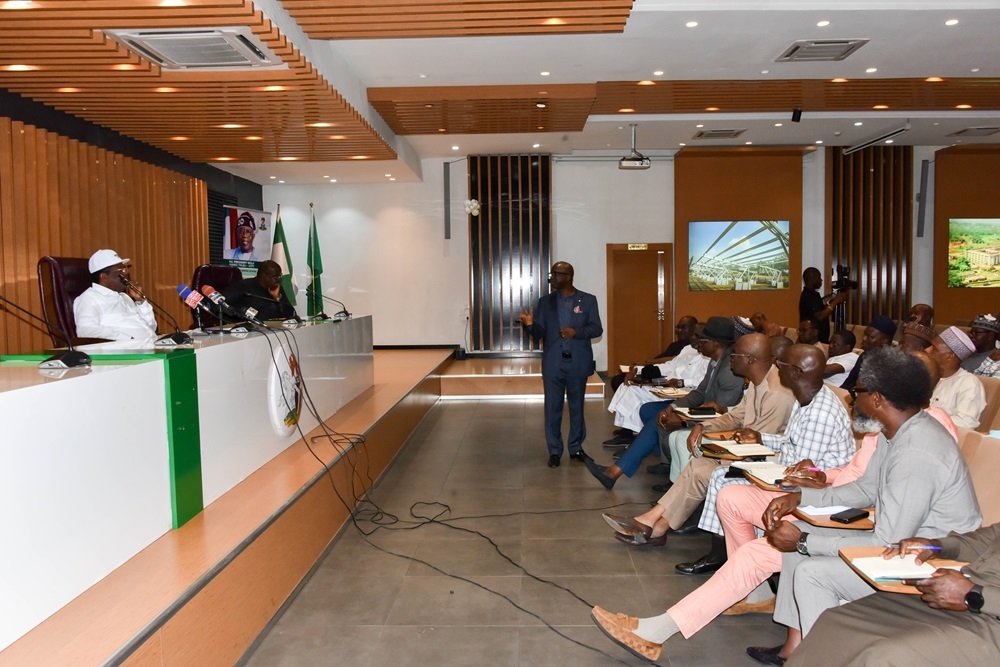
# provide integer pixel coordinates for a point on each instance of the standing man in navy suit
(565, 321)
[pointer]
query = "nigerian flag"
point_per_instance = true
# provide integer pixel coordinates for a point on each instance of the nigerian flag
(314, 293)
(279, 254)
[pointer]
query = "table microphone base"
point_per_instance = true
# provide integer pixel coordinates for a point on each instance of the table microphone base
(70, 359)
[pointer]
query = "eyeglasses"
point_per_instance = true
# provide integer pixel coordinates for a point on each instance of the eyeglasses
(785, 363)
(737, 354)
(854, 391)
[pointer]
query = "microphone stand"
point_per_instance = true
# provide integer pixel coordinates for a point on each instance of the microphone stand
(70, 359)
(342, 313)
(177, 338)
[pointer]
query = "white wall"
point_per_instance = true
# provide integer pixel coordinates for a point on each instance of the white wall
(384, 251)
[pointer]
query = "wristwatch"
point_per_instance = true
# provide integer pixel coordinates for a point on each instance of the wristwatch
(974, 599)
(800, 546)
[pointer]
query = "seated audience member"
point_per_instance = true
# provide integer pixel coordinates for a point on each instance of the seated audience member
(917, 480)
(842, 358)
(879, 333)
(991, 366)
(633, 404)
(753, 560)
(959, 393)
(818, 429)
(719, 389)
(108, 308)
(921, 313)
(766, 406)
(809, 335)
(983, 334)
(682, 339)
(916, 336)
(742, 326)
(262, 293)
(955, 621)
(762, 325)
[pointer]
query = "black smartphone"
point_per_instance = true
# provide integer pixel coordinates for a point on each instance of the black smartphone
(849, 516)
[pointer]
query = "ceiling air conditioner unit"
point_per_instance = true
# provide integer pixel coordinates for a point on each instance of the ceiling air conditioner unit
(199, 48)
(635, 159)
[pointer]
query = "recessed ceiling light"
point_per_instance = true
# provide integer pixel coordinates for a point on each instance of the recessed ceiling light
(858, 124)
(544, 73)
(231, 126)
(700, 125)
(541, 105)
(428, 106)
(223, 159)
(626, 110)
(536, 145)
(287, 159)
(178, 138)
(441, 129)
(951, 22)
(872, 70)
(165, 89)
(252, 138)
(692, 24)
(819, 141)
(333, 180)
(272, 177)
(749, 143)
(658, 72)
(974, 70)
(392, 179)
(963, 106)
(125, 67)
(822, 24)
(711, 108)
(765, 71)
(541, 127)
(422, 76)
(281, 181)
(68, 89)
(554, 22)
(326, 177)
(881, 106)
(888, 141)
(337, 136)
(274, 89)
(838, 80)
(778, 124)
(933, 79)
(320, 124)
(20, 68)
(16, 4)
(682, 144)
(454, 148)
(647, 82)
(360, 157)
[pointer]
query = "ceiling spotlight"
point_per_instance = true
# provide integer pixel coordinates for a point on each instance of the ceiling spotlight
(658, 72)
(872, 70)
(691, 24)
(778, 124)
(536, 145)
(822, 24)
(796, 115)
(884, 138)
(541, 105)
(951, 22)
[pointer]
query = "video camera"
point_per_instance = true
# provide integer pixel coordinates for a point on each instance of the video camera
(843, 282)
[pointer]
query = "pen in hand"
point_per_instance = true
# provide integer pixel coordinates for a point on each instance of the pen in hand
(915, 547)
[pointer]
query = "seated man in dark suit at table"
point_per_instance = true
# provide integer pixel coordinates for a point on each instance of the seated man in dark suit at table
(263, 293)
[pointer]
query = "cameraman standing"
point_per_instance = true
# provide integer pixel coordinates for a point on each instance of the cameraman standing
(812, 306)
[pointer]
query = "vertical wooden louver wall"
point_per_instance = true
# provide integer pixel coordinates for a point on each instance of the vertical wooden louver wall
(870, 200)
(509, 246)
(62, 197)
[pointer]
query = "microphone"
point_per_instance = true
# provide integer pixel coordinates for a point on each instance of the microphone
(70, 359)
(193, 299)
(177, 338)
(220, 301)
(342, 313)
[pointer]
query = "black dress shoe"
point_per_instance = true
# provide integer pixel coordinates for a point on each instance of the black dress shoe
(687, 529)
(659, 469)
(701, 566)
(580, 456)
(553, 461)
(622, 431)
(619, 441)
(599, 472)
(662, 488)
(766, 656)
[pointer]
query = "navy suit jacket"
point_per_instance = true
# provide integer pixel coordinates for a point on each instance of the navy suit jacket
(585, 319)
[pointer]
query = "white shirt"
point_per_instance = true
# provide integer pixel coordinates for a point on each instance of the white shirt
(847, 361)
(104, 313)
(962, 396)
(688, 365)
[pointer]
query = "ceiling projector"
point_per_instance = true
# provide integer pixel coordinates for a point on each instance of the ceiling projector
(634, 162)
(635, 159)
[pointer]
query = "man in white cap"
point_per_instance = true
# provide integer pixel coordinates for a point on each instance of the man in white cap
(983, 333)
(959, 393)
(109, 308)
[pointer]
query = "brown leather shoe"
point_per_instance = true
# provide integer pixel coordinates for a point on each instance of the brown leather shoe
(626, 525)
(744, 607)
(619, 627)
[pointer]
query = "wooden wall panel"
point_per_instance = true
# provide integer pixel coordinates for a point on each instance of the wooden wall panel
(964, 187)
(871, 195)
(66, 198)
(738, 184)
(509, 247)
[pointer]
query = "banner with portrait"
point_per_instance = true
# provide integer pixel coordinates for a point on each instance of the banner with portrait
(246, 239)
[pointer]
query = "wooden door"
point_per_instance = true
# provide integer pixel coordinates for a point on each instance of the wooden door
(640, 321)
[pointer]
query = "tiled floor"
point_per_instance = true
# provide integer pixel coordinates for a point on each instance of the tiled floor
(520, 592)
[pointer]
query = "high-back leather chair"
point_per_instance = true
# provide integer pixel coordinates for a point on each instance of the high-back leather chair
(60, 281)
(219, 277)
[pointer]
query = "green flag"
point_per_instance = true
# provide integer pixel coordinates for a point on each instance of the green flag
(279, 254)
(314, 293)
